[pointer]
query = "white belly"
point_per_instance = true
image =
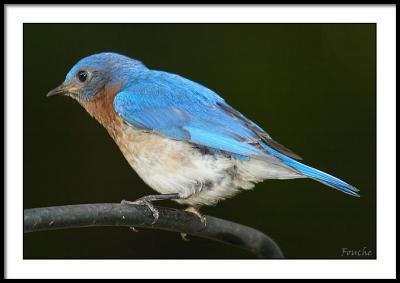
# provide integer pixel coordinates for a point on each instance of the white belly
(170, 166)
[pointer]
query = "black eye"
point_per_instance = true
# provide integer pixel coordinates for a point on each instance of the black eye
(82, 76)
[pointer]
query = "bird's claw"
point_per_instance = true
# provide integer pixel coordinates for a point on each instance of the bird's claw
(133, 229)
(193, 210)
(184, 237)
(147, 203)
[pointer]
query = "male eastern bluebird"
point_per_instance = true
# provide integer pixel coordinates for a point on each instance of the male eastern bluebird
(181, 138)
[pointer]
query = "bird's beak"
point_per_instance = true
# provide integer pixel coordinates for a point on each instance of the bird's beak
(62, 90)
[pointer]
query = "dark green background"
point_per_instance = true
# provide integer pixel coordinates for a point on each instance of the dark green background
(311, 86)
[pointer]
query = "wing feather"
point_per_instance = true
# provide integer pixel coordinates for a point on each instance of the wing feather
(184, 110)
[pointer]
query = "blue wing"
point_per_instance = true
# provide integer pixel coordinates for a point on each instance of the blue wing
(184, 110)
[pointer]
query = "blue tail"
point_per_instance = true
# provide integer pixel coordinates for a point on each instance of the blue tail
(315, 174)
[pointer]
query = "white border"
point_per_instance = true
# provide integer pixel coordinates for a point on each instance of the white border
(383, 267)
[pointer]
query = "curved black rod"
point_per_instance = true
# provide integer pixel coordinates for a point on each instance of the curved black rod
(115, 214)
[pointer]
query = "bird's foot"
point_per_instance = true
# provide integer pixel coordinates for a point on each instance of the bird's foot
(147, 201)
(133, 229)
(143, 201)
(196, 212)
(184, 237)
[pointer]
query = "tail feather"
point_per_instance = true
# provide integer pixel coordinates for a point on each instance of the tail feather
(323, 177)
(315, 174)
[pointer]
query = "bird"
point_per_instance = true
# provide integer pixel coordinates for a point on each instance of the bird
(183, 139)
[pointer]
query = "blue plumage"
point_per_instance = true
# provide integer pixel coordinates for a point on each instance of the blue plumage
(181, 109)
(192, 141)
(184, 110)
(315, 173)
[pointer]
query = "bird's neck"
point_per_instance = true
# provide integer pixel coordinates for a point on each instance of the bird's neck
(102, 108)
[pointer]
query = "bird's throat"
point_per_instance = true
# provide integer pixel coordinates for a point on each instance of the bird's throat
(101, 107)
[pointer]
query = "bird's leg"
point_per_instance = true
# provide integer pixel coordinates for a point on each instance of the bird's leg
(147, 201)
(196, 212)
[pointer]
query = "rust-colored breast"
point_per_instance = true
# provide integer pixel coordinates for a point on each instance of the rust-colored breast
(102, 109)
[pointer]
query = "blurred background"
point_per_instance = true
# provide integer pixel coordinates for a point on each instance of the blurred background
(312, 87)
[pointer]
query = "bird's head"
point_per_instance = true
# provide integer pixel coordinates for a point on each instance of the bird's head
(92, 74)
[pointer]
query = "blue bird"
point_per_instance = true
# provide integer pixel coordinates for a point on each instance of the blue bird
(182, 139)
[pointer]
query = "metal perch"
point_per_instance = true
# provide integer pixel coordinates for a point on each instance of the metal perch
(129, 215)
